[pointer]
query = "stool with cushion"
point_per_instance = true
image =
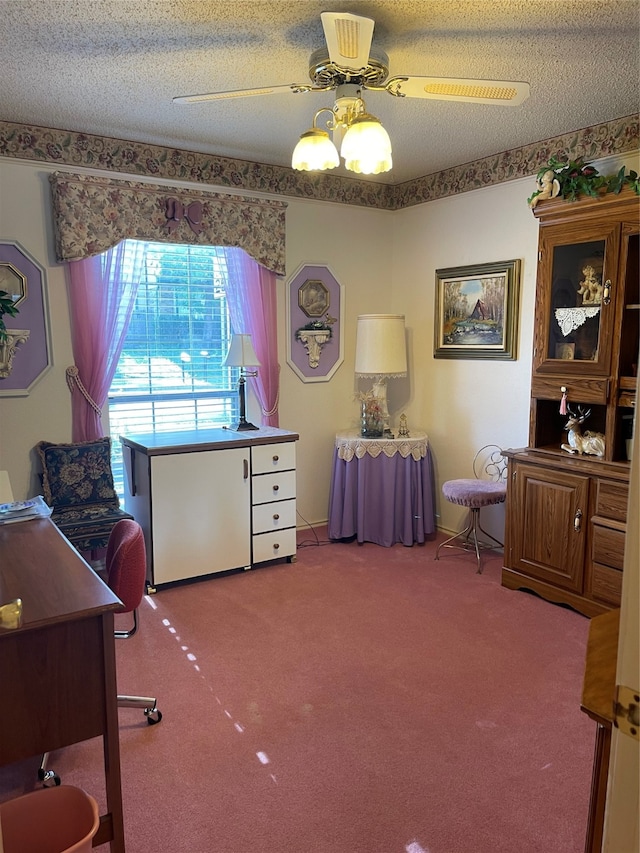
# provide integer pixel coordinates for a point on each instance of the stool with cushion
(77, 482)
(474, 494)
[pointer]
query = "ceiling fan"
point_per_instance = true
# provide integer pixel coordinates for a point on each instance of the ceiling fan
(349, 63)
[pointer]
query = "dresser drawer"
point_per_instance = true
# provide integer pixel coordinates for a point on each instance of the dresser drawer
(266, 458)
(271, 546)
(273, 487)
(579, 390)
(608, 546)
(274, 516)
(606, 584)
(611, 500)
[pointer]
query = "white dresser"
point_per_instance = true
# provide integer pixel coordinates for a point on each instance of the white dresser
(211, 500)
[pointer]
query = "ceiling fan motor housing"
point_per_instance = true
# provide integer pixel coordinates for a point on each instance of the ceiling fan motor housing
(324, 73)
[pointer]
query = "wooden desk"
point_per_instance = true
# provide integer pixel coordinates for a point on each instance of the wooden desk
(57, 670)
(597, 702)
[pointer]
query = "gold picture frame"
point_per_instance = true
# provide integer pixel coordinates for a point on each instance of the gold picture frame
(314, 298)
(476, 311)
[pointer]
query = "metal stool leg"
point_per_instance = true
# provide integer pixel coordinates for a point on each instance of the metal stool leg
(469, 538)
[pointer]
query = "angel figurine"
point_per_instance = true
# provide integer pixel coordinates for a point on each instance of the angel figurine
(548, 187)
(590, 288)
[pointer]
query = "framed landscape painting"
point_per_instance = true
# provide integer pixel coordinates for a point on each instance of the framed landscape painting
(476, 314)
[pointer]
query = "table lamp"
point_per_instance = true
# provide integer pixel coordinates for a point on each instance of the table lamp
(241, 354)
(381, 352)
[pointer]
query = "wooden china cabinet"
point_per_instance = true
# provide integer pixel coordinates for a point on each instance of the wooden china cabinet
(566, 513)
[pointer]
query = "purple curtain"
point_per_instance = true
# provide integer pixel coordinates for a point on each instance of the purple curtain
(251, 297)
(102, 292)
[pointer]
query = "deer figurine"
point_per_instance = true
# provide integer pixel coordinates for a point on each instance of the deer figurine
(588, 442)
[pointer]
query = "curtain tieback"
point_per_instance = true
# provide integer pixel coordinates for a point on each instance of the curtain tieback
(74, 381)
(272, 411)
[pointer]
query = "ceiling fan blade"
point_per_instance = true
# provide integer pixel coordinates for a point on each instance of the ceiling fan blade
(296, 88)
(502, 92)
(348, 39)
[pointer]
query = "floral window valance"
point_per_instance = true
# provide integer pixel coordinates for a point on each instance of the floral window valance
(92, 214)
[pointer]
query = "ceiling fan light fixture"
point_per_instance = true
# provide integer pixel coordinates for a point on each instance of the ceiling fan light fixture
(315, 152)
(366, 147)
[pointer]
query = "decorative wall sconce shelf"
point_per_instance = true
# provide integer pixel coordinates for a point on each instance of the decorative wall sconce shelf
(8, 347)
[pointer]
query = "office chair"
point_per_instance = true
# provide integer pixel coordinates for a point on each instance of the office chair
(488, 487)
(126, 570)
(77, 482)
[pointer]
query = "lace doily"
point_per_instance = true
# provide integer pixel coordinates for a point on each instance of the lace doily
(570, 319)
(350, 444)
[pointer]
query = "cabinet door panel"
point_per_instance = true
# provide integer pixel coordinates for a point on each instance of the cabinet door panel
(552, 512)
(573, 328)
(201, 513)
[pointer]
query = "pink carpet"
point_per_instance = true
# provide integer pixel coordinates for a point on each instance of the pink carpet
(361, 700)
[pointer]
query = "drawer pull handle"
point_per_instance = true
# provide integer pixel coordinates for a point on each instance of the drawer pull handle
(275, 488)
(276, 546)
(577, 520)
(606, 293)
(276, 458)
(276, 516)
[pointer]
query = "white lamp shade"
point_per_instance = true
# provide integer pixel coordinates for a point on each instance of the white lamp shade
(241, 352)
(381, 348)
(366, 147)
(315, 151)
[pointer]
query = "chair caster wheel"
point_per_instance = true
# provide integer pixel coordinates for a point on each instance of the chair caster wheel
(153, 716)
(49, 778)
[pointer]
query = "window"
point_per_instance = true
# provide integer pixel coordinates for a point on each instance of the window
(170, 375)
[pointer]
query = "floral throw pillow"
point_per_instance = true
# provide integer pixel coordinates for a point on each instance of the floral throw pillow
(74, 474)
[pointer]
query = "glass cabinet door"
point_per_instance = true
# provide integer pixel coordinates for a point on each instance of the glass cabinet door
(576, 337)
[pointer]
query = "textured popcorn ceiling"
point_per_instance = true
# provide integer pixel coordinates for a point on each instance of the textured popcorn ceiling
(112, 67)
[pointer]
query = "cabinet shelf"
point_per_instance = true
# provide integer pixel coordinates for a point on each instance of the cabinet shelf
(628, 383)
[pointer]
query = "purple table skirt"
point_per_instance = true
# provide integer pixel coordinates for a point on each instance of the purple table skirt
(383, 499)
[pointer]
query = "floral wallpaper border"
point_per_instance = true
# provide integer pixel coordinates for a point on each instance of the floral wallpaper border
(69, 148)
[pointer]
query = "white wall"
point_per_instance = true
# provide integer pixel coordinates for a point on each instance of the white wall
(355, 243)
(385, 262)
(465, 404)
(45, 413)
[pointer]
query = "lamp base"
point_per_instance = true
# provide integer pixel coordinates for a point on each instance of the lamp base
(242, 425)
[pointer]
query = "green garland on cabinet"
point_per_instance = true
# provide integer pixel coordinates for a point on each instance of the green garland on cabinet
(570, 179)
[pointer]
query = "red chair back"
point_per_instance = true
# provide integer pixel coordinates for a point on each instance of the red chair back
(126, 564)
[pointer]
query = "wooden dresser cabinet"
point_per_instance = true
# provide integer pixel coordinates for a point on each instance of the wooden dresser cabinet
(566, 513)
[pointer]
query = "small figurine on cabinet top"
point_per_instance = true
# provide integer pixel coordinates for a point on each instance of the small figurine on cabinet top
(590, 288)
(591, 443)
(548, 187)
